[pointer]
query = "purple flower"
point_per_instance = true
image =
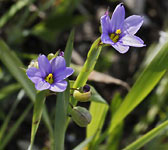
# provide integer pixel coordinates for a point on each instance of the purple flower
(119, 32)
(50, 74)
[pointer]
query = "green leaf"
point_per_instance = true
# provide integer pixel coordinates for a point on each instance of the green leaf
(38, 108)
(84, 144)
(98, 112)
(60, 119)
(9, 115)
(12, 11)
(7, 90)
(143, 86)
(69, 48)
(14, 65)
(147, 137)
(114, 139)
(14, 128)
(96, 97)
(61, 109)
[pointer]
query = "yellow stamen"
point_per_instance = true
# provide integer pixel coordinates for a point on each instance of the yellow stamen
(112, 36)
(115, 36)
(118, 31)
(49, 78)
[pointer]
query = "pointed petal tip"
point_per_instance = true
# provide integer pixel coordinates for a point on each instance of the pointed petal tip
(121, 4)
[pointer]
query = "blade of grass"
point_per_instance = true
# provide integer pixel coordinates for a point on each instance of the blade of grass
(147, 137)
(38, 108)
(98, 112)
(7, 90)
(96, 97)
(114, 139)
(12, 11)
(61, 109)
(69, 48)
(11, 112)
(60, 119)
(84, 144)
(14, 65)
(14, 128)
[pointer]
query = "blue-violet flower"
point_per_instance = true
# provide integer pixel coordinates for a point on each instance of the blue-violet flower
(119, 32)
(50, 74)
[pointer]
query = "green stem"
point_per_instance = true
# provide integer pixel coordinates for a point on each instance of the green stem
(89, 65)
(61, 119)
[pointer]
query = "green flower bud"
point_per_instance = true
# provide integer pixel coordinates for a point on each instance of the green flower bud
(81, 116)
(82, 95)
(50, 56)
(33, 63)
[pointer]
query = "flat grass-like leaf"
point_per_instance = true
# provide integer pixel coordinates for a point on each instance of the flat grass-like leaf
(4, 125)
(147, 137)
(96, 97)
(12, 11)
(98, 112)
(14, 128)
(84, 144)
(14, 65)
(114, 139)
(7, 90)
(60, 119)
(61, 109)
(143, 86)
(38, 108)
(69, 48)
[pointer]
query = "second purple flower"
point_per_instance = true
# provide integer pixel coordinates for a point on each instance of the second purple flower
(119, 32)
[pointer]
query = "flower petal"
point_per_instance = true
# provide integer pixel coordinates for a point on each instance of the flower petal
(61, 75)
(105, 24)
(118, 17)
(58, 64)
(106, 39)
(44, 65)
(120, 47)
(58, 86)
(42, 85)
(33, 74)
(132, 24)
(132, 40)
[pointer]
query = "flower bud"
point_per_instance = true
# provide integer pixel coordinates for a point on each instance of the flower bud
(61, 53)
(81, 116)
(33, 63)
(83, 95)
(50, 56)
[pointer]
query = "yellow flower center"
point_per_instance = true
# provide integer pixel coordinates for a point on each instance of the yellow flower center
(49, 78)
(115, 36)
